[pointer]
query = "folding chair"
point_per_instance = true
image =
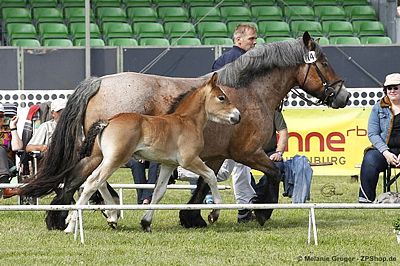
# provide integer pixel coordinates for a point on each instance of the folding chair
(388, 179)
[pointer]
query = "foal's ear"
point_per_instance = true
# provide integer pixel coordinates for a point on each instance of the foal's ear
(214, 79)
(308, 41)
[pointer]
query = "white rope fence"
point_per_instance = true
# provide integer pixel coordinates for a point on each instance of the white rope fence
(311, 206)
(129, 186)
(120, 188)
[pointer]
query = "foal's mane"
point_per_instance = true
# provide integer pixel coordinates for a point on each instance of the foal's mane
(263, 58)
(177, 101)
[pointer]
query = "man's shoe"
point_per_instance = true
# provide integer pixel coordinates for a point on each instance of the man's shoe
(10, 192)
(5, 179)
(245, 216)
(146, 201)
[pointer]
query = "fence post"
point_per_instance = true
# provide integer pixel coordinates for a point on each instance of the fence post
(311, 223)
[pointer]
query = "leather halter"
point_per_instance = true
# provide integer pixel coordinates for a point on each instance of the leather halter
(329, 91)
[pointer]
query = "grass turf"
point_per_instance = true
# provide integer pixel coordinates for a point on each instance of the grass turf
(354, 236)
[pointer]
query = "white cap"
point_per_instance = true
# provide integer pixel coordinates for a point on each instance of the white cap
(58, 104)
(1, 108)
(392, 79)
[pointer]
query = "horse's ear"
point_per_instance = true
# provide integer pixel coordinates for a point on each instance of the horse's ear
(214, 78)
(308, 41)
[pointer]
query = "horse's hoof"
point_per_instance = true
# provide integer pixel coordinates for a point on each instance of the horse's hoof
(55, 220)
(113, 225)
(213, 217)
(146, 226)
(191, 219)
(262, 216)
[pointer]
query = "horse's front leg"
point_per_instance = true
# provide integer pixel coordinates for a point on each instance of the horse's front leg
(159, 191)
(199, 167)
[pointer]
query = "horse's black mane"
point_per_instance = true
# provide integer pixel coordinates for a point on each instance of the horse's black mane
(263, 58)
(179, 99)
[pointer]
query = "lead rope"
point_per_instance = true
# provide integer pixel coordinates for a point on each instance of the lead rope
(300, 95)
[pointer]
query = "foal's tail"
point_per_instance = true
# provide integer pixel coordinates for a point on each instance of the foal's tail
(94, 130)
(62, 154)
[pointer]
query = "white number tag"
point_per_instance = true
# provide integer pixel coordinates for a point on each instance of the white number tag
(310, 57)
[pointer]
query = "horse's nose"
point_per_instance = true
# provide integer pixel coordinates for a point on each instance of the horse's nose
(345, 102)
(235, 117)
(342, 98)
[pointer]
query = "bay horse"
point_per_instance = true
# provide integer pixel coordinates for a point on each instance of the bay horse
(255, 83)
(172, 140)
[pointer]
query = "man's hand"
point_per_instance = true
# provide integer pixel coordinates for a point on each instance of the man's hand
(43, 148)
(276, 157)
(14, 122)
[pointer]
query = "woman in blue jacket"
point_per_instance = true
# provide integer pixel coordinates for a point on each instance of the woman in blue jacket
(384, 134)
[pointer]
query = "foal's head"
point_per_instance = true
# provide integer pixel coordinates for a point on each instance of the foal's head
(218, 107)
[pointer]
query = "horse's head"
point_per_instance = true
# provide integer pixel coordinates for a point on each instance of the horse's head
(218, 106)
(317, 77)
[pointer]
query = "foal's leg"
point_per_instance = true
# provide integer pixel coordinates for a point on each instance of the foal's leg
(192, 218)
(159, 191)
(73, 180)
(112, 215)
(200, 168)
(94, 181)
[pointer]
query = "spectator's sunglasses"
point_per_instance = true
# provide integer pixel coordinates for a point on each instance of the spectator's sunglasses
(1, 115)
(395, 88)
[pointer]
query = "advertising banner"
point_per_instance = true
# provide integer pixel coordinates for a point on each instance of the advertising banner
(328, 135)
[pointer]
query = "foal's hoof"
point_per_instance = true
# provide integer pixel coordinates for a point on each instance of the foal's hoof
(146, 226)
(113, 225)
(69, 230)
(191, 219)
(213, 216)
(262, 215)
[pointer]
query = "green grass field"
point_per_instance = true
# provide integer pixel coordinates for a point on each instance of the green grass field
(357, 237)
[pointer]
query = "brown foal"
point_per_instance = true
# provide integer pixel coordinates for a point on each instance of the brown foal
(173, 139)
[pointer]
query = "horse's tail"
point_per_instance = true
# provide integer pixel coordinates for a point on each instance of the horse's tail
(63, 154)
(94, 130)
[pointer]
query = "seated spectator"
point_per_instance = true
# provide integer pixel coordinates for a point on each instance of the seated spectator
(9, 143)
(383, 133)
(42, 136)
(138, 169)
